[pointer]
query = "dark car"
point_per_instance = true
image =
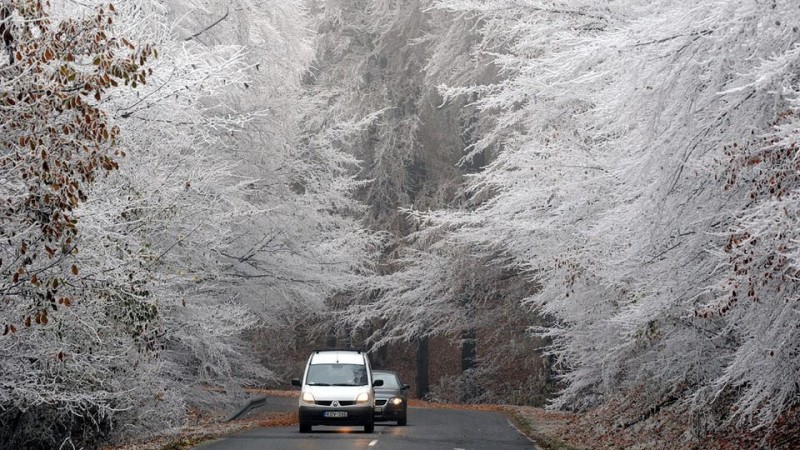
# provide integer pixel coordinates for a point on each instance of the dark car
(391, 399)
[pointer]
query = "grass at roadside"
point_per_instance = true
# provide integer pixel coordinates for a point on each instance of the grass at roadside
(542, 427)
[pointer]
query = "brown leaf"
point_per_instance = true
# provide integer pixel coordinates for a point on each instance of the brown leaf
(74, 269)
(28, 321)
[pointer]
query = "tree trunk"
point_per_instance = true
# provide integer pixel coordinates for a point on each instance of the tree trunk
(381, 357)
(330, 338)
(470, 388)
(423, 387)
(468, 349)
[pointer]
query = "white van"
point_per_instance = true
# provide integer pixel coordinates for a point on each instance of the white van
(337, 389)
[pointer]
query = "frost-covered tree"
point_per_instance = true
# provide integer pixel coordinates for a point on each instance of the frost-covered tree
(643, 182)
(172, 207)
(66, 362)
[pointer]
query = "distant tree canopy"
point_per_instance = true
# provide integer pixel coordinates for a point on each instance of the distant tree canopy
(381, 63)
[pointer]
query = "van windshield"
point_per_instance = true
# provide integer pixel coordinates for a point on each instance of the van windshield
(337, 375)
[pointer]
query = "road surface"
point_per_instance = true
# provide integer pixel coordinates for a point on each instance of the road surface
(428, 429)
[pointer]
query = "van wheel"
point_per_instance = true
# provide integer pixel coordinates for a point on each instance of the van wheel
(369, 427)
(402, 421)
(305, 428)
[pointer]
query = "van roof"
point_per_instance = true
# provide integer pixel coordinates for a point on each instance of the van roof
(337, 356)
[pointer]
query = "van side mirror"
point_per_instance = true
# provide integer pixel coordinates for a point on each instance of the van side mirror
(377, 383)
(405, 387)
(296, 382)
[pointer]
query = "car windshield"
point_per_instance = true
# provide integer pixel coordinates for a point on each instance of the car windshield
(337, 375)
(389, 380)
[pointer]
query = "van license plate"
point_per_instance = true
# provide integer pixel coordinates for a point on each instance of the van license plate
(378, 409)
(333, 414)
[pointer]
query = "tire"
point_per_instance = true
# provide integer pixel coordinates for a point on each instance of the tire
(369, 427)
(305, 428)
(402, 421)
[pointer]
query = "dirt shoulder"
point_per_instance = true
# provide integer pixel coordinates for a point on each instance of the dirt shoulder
(191, 436)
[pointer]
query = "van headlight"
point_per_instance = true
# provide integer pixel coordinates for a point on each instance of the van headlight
(396, 401)
(308, 398)
(362, 398)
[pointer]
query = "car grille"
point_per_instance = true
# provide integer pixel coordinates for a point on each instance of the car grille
(341, 402)
(381, 402)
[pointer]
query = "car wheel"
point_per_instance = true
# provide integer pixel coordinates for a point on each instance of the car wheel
(305, 428)
(402, 421)
(369, 427)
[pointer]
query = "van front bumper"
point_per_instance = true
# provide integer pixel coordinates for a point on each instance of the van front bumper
(326, 415)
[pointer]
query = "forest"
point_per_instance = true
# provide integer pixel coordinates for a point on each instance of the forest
(588, 206)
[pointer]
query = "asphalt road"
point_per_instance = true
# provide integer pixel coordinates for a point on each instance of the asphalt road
(427, 429)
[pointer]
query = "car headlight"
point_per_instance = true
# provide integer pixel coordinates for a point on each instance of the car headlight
(396, 401)
(308, 398)
(362, 398)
